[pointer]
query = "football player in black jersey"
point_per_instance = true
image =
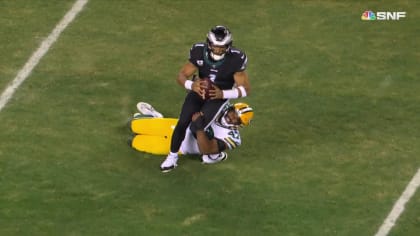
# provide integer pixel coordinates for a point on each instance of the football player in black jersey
(225, 66)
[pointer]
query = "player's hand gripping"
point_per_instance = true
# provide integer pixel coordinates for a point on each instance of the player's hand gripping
(216, 93)
(199, 87)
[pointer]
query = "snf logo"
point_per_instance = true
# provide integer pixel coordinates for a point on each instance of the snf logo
(383, 15)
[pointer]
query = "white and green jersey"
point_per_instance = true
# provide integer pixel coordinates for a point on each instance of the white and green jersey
(230, 137)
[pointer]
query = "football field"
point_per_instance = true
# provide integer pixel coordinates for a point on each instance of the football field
(334, 147)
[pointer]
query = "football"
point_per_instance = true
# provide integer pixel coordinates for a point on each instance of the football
(209, 86)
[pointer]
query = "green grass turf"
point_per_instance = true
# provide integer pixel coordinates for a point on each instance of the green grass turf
(333, 144)
(23, 27)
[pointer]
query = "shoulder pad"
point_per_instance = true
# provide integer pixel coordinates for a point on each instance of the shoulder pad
(198, 45)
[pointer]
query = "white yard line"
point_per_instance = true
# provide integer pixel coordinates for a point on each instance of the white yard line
(399, 205)
(40, 52)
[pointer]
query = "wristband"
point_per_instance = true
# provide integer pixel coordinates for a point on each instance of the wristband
(243, 91)
(230, 93)
(188, 84)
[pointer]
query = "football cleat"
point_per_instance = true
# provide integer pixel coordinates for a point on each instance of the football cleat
(214, 158)
(147, 109)
(137, 115)
(169, 163)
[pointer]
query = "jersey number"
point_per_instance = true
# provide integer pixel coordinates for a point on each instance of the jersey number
(212, 77)
(234, 134)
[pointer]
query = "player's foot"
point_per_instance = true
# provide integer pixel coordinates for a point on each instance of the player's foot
(169, 163)
(147, 109)
(214, 158)
(137, 115)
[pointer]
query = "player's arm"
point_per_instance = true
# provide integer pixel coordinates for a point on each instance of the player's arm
(241, 80)
(242, 86)
(186, 72)
(206, 145)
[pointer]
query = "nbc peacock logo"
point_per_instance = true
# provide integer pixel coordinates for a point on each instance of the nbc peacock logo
(368, 15)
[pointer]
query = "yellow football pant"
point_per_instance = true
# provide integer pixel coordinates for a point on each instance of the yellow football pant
(153, 134)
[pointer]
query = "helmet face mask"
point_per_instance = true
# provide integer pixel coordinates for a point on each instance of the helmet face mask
(238, 115)
(219, 41)
(218, 50)
(230, 118)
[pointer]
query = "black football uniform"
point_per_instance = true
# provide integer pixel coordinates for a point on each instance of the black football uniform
(221, 73)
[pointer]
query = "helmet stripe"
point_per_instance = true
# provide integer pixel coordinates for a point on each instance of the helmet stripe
(230, 142)
(224, 42)
(244, 110)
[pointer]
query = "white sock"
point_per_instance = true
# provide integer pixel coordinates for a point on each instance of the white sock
(173, 154)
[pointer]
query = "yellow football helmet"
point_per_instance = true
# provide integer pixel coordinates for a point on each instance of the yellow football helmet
(245, 113)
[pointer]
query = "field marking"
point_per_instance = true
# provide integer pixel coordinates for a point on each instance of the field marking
(399, 206)
(40, 52)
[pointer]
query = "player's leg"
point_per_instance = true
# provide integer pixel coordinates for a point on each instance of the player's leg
(214, 158)
(154, 126)
(192, 104)
(157, 145)
(212, 108)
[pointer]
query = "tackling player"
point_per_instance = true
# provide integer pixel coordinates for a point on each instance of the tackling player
(225, 66)
(153, 132)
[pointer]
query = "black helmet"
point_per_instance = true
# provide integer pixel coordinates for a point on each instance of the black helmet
(219, 36)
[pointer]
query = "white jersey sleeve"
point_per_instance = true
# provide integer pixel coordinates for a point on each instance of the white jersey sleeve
(230, 137)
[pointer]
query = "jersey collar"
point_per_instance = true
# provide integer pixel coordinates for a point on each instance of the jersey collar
(212, 63)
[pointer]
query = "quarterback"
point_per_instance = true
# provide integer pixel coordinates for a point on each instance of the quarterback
(214, 60)
(153, 132)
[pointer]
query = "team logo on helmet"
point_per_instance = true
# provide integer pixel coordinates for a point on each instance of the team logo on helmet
(245, 113)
